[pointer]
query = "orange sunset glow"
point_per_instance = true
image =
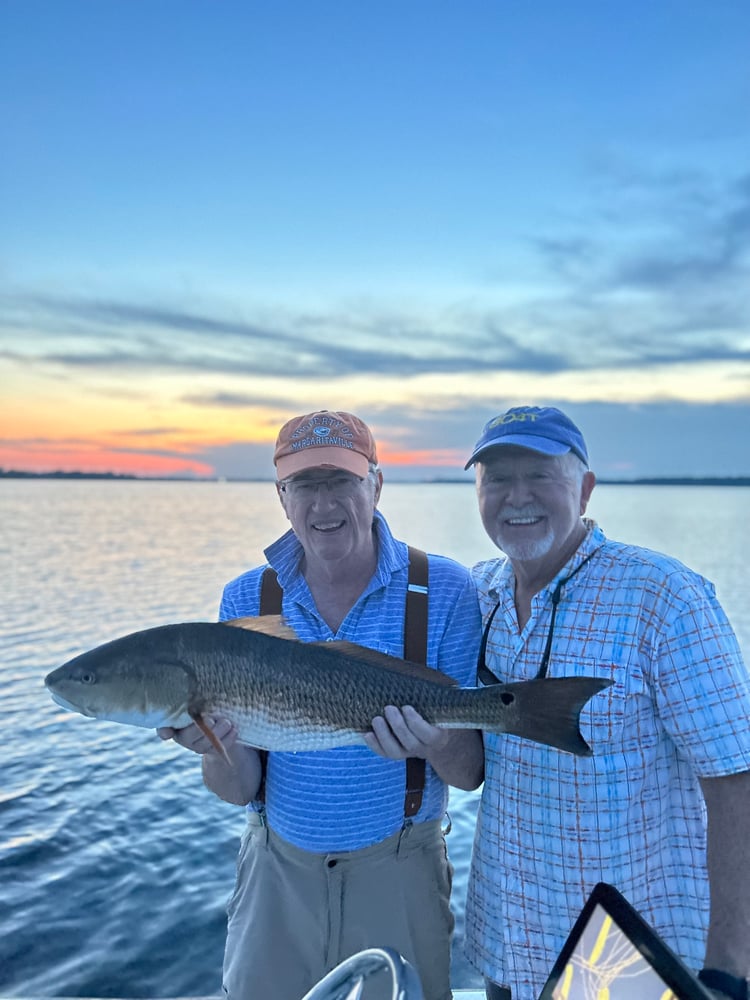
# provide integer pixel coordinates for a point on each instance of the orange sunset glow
(198, 242)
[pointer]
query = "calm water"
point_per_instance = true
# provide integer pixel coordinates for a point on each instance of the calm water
(115, 862)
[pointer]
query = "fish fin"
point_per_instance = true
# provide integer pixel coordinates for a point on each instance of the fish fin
(276, 626)
(273, 625)
(211, 737)
(418, 670)
(548, 710)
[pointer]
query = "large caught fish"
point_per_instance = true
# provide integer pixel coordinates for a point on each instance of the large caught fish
(283, 694)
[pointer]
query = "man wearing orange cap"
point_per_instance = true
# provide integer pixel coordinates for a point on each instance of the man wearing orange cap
(336, 858)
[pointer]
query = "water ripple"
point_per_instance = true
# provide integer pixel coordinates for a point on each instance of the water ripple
(115, 862)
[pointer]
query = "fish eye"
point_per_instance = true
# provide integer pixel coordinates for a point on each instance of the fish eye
(88, 678)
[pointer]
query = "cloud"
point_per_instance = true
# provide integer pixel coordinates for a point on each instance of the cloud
(575, 332)
(239, 460)
(655, 439)
(146, 431)
(664, 281)
(660, 439)
(224, 400)
(669, 232)
(667, 438)
(659, 278)
(101, 335)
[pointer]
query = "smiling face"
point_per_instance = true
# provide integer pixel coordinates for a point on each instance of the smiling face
(331, 512)
(531, 506)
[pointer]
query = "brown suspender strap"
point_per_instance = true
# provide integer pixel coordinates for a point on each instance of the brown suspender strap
(415, 648)
(270, 593)
(270, 604)
(415, 618)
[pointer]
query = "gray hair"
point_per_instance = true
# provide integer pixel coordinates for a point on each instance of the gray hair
(372, 476)
(573, 467)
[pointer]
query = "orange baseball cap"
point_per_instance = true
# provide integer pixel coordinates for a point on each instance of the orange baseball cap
(325, 439)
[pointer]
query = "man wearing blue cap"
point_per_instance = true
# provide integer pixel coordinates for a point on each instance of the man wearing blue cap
(662, 809)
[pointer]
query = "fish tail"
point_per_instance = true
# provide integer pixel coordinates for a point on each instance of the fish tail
(546, 710)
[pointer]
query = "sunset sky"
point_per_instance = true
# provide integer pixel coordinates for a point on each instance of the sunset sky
(217, 215)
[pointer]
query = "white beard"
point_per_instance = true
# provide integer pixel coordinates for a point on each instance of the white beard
(529, 550)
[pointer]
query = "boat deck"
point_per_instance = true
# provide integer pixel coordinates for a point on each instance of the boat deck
(458, 994)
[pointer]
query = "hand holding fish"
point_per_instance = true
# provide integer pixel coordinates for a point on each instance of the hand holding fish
(401, 733)
(453, 753)
(194, 738)
(233, 771)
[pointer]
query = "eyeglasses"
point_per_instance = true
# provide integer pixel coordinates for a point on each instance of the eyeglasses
(338, 486)
(483, 671)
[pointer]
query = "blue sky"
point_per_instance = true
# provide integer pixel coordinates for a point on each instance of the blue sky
(216, 215)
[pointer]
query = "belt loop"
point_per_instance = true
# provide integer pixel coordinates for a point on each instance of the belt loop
(403, 838)
(257, 820)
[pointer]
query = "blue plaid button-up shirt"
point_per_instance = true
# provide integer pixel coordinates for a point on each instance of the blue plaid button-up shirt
(551, 825)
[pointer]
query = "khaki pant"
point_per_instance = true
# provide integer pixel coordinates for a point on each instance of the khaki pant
(295, 915)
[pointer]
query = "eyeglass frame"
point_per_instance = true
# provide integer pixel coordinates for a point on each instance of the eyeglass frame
(287, 486)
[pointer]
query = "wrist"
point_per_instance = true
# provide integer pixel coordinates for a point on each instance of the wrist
(724, 983)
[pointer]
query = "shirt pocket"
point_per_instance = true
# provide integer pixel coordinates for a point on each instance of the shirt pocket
(612, 719)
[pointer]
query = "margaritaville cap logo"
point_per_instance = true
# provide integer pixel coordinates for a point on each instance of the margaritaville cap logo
(325, 439)
(540, 428)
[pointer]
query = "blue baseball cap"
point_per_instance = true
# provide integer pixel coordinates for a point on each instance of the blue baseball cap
(539, 428)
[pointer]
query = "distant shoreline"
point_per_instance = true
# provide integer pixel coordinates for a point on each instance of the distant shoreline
(115, 477)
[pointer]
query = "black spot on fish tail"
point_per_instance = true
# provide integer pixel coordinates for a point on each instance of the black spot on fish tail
(546, 710)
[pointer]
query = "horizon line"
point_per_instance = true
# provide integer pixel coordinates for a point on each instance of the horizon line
(437, 480)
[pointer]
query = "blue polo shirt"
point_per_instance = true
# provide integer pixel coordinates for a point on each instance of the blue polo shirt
(348, 797)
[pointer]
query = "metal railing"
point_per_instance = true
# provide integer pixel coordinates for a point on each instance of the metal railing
(347, 981)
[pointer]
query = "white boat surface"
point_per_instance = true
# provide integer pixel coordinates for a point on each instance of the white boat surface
(348, 981)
